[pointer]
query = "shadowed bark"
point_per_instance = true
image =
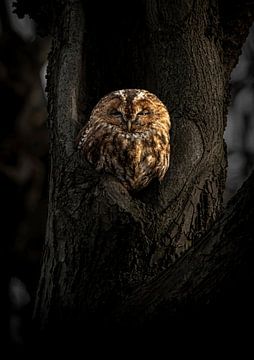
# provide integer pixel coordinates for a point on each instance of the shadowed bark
(198, 277)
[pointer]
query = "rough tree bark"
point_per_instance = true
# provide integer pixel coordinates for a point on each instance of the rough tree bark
(106, 249)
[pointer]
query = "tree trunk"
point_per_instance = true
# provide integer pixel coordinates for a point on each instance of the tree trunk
(104, 245)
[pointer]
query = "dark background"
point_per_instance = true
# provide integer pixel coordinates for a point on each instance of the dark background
(24, 160)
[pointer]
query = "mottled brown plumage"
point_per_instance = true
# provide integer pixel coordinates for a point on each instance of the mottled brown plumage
(127, 136)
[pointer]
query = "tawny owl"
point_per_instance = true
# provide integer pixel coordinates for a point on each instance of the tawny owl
(127, 136)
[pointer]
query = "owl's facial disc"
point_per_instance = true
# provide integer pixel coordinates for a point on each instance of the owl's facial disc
(119, 114)
(133, 114)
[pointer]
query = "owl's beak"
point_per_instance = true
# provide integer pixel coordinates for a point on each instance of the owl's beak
(129, 125)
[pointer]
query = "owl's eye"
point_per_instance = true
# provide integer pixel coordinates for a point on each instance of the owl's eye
(115, 112)
(144, 112)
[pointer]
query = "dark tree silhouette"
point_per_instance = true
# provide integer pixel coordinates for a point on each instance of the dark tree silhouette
(114, 259)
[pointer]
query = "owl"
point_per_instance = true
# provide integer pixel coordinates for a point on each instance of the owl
(128, 136)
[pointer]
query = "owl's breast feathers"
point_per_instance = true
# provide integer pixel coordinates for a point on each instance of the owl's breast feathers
(135, 158)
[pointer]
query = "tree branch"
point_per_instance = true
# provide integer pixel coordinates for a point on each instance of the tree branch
(42, 12)
(236, 18)
(199, 275)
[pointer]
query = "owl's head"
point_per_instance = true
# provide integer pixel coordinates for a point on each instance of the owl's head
(131, 109)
